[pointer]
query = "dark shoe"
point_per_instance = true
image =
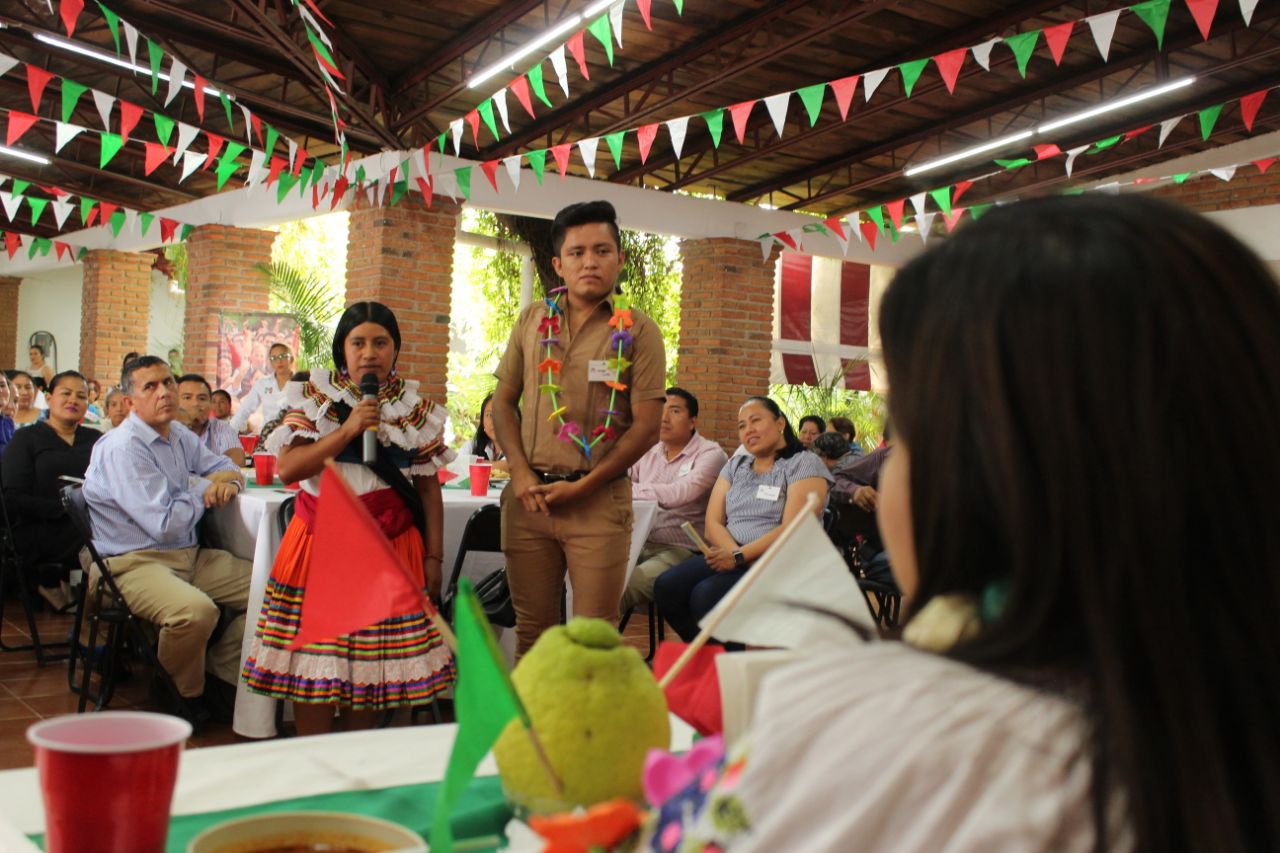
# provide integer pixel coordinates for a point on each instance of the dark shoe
(219, 699)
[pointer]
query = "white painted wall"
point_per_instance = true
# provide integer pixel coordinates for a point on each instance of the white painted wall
(49, 301)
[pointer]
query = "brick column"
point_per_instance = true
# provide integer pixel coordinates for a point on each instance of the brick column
(403, 257)
(726, 330)
(221, 276)
(116, 296)
(9, 318)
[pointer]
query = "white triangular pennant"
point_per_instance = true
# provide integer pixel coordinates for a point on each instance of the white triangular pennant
(500, 101)
(6, 63)
(61, 209)
(448, 185)
(562, 69)
(852, 221)
(104, 103)
(455, 128)
(1246, 11)
(177, 74)
(797, 236)
(777, 107)
(587, 148)
(248, 127)
(187, 134)
(191, 161)
(1072, 155)
(1112, 188)
(766, 247)
(64, 133)
(1103, 27)
(982, 53)
(131, 41)
(872, 80)
(615, 21)
(293, 153)
(925, 222)
(11, 204)
(258, 170)
(513, 169)
(1167, 126)
(678, 127)
(1226, 173)
(305, 14)
(917, 203)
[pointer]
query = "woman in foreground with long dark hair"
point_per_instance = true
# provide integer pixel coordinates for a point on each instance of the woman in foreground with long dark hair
(1092, 639)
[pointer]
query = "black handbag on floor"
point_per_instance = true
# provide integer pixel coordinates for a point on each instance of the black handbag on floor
(495, 598)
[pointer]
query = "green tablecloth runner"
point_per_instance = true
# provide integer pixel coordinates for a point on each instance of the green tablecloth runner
(482, 811)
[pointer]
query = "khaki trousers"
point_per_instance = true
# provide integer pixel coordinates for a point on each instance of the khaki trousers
(655, 558)
(180, 590)
(591, 539)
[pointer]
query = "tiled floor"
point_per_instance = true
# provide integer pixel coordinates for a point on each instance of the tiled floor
(29, 692)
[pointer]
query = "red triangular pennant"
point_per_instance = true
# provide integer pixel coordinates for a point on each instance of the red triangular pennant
(316, 9)
(256, 121)
(644, 13)
(168, 228)
(12, 242)
(428, 194)
(107, 209)
(61, 248)
(198, 92)
(156, 154)
(741, 112)
(1137, 131)
(788, 239)
(473, 119)
(561, 153)
(299, 157)
(37, 79)
(956, 213)
(1044, 152)
(1057, 37)
(895, 209)
(1203, 11)
(579, 52)
(844, 89)
(339, 190)
(694, 694)
(1264, 164)
(836, 224)
(69, 11)
(949, 64)
(92, 217)
(645, 134)
(960, 188)
(215, 145)
(869, 232)
(277, 166)
(490, 169)
(19, 123)
(129, 116)
(520, 88)
(1249, 106)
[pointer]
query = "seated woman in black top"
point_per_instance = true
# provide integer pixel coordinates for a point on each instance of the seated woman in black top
(33, 462)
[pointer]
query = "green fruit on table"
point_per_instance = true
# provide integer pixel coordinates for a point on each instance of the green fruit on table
(596, 709)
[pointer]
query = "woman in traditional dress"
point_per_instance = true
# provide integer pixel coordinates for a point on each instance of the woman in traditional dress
(399, 661)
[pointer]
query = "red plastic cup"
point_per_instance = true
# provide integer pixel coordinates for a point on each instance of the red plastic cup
(264, 469)
(249, 443)
(480, 478)
(129, 758)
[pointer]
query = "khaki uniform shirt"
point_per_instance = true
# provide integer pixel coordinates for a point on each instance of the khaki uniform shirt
(586, 401)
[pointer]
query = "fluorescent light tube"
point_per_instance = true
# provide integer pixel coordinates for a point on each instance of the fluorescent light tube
(1101, 109)
(966, 153)
(23, 155)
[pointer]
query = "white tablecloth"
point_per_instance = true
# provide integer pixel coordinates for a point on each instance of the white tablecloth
(248, 527)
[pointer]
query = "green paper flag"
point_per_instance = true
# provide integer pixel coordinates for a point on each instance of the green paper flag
(1154, 13)
(401, 188)
(978, 210)
(37, 206)
(44, 244)
(1023, 45)
(1013, 164)
(117, 222)
(359, 174)
(284, 183)
(1104, 144)
(600, 29)
(715, 124)
(19, 187)
(111, 143)
(270, 144)
(679, 6)
(485, 701)
(811, 97)
(615, 146)
(84, 250)
(464, 181)
(538, 161)
(164, 128)
(1073, 191)
(226, 168)
(942, 198)
(911, 72)
(1178, 179)
(31, 250)
(145, 220)
(1208, 118)
(538, 85)
(86, 205)
(231, 152)
(876, 214)
(486, 113)
(226, 105)
(156, 55)
(185, 232)
(71, 92)
(893, 232)
(113, 23)
(317, 171)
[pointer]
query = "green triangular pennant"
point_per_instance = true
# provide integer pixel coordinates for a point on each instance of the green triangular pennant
(679, 6)
(1104, 144)
(44, 244)
(978, 210)
(117, 222)
(31, 250)
(317, 171)
(715, 124)
(600, 29)
(486, 113)
(37, 206)
(164, 128)
(811, 97)
(538, 85)
(1208, 118)
(1154, 13)
(464, 181)
(440, 141)
(538, 161)
(359, 174)
(942, 198)
(71, 92)
(320, 47)
(111, 143)
(226, 168)
(86, 205)
(19, 187)
(185, 232)
(144, 221)
(270, 144)
(615, 146)
(1023, 45)
(1013, 164)
(226, 105)
(84, 250)
(284, 183)
(893, 232)
(1178, 179)
(156, 56)
(231, 152)
(401, 188)
(876, 214)
(911, 72)
(113, 23)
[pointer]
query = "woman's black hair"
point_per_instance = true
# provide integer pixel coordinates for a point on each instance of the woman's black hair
(830, 445)
(1138, 558)
(793, 445)
(480, 444)
(844, 426)
(822, 425)
(357, 313)
(59, 378)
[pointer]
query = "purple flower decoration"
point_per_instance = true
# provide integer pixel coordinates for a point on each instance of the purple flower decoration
(549, 341)
(614, 412)
(555, 290)
(621, 339)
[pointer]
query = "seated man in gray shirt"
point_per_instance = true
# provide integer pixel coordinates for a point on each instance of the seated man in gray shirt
(149, 482)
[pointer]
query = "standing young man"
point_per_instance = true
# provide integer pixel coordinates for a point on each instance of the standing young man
(579, 400)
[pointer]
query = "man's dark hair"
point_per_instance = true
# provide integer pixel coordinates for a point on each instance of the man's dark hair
(128, 357)
(222, 392)
(691, 402)
(830, 445)
(140, 363)
(196, 377)
(584, 213)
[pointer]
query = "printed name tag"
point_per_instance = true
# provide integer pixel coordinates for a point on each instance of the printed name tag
(685, 469)
(598, 371)
(768, 493)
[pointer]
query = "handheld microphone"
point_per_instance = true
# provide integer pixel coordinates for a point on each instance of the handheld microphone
(369, 391)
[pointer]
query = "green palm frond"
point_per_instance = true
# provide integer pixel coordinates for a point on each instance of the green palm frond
(306, 297)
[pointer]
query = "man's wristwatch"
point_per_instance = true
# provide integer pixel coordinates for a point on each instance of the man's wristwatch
(739, 561)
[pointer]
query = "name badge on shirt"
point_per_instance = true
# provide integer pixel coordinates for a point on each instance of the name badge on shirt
(768, 493)
(598, 371)
(685, 469)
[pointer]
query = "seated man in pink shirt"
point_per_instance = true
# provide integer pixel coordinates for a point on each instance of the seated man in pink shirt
(677, 472)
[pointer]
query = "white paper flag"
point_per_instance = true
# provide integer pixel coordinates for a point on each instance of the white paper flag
(455, 129)
(1167, 126)
(615, 21)
(11, 204)
(293, 152)
(872, 80)
(562, 69)
(678, 127)
(248, 126)
(587, 148)
(917, 203)
(982, 53)
(1246, 11)
(187, 134)
(258, 170)
(1226, 173)
(925, 223)
(1103, 27)
(177, 74)
(513, 169)
(766, 247)
(500, 101)
(852, 221)
(131, 41)
(6, 63)
(64, 133)
(61, 209)
(191, 161)
(1072, 155)
(777, 107)
(104, 103)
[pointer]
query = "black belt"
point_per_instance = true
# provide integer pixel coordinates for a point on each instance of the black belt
(548, 477)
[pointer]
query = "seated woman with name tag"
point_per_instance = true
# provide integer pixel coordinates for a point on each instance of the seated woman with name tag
(756, 494)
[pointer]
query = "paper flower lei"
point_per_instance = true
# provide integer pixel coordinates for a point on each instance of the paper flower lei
(619, 342)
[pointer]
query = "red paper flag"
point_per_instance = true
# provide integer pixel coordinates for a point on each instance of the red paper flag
(949, 64)
(960, 189)
(37, 79)
(644, 13)
(645, 134)
(473, 119)
(741, 112)
(339, 190)
(520, 87)
(579, 52)
(61, 248)
(156, 154)
(1137, 131)
(895, 209)
(561, 153)
(835, 224)
(1249, 106)
(168, 228)
(1264, 164)
(69, 11)
(319, 14)
(256, 121)
(844, 89)
(92, 217)
(129, 116)
(12, 242)
(1057, 37)
(277, 166)
(107, 210)
(694, 694)
(299, 157)
(490, 169)
(788, 239)
(428, 194)
(215, 145)
(331, 605)
(956, 213)
(1044, 152)
(198, 91)
(1203, 11)
(870, 232)
(19, 123)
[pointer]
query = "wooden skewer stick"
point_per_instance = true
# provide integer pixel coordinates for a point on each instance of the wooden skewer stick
(692, 533)
(556, 784)
(735, 595)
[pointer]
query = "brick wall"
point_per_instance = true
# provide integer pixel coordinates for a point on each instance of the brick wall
(221, 276)
(402, 256)
(726, 330)
(9, 319)
(116, 297)
(1207, 193)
